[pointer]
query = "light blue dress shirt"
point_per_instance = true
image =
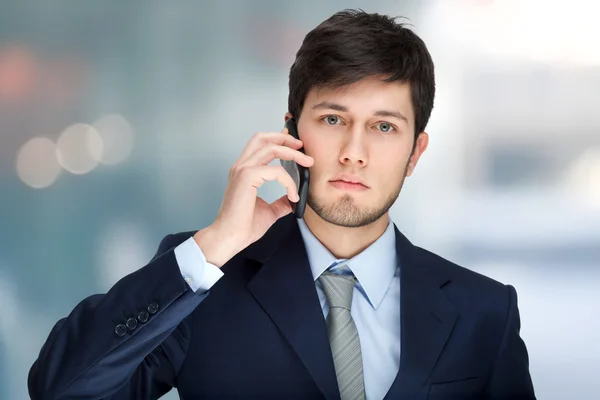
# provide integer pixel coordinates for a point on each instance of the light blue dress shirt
(375, 301)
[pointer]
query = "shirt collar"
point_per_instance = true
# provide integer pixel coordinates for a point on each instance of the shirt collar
(374, 267)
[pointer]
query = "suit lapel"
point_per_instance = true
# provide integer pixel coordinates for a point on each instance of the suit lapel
(285, 289)
(427, 318)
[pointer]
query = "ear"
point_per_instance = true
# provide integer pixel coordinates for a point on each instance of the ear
(420, 147)
(287, 116)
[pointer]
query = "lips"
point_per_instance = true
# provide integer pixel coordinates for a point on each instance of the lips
(351, 183)
(350, 179)
(348, 186)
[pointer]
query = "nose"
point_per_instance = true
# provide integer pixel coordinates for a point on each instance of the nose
(354, 149)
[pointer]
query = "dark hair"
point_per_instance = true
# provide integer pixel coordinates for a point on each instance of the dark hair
(352, 45)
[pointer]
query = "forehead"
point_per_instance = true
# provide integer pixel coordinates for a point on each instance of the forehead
(366, 97)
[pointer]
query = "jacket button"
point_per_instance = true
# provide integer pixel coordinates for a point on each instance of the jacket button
(120, 330)
(131, 324)
(143, 316)
(152, 308)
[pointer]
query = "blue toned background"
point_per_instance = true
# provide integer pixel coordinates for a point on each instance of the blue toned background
(119, 122)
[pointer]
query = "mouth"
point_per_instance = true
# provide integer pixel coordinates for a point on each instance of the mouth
(341, 184)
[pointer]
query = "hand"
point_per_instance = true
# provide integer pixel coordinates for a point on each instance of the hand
(244, 217)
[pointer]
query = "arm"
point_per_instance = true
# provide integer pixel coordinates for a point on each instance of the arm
(92, 355)
(510, 378)
(129, 342)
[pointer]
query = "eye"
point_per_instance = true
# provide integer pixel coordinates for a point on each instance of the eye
(331, 119)
(385, 127)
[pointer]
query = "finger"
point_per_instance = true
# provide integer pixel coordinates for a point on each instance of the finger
(268, 153)
(262, 139)
(281, 207)
(265, 138)
(258, 176)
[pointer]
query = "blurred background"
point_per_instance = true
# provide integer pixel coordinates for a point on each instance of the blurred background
(120, 120)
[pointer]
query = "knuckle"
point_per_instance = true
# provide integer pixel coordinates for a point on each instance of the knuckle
(272, 147)
(262, 137)
(244, 172)
(239, 172)
(238, 166)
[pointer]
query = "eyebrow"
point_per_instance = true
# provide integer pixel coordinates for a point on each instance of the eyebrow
(327, 105)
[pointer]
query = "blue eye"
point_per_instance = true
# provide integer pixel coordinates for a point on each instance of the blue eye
(385, 127)
(332, 119)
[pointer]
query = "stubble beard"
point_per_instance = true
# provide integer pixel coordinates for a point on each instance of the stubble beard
(345, 213)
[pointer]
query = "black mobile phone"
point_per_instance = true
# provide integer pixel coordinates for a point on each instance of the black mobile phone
(299, 173)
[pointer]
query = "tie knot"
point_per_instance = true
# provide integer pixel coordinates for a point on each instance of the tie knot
(338, 289)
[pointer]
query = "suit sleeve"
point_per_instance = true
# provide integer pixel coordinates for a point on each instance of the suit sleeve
(127, 343)
(510, 377)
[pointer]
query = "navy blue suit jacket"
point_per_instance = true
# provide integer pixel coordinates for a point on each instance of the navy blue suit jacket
(260, 332)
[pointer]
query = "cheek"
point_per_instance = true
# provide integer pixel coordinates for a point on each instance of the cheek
(314, 151)
(316, 143)
(323, 152)
(390, 167)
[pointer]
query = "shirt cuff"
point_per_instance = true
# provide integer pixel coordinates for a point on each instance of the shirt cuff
(199, 274)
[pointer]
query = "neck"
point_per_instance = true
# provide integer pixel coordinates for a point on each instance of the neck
(344, 242)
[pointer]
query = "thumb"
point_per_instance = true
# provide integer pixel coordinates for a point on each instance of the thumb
(281, 207)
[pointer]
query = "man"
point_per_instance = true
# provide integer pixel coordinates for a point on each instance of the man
(338, 304)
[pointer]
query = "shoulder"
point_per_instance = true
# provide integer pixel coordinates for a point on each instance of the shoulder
(467, 289)
(461, 274)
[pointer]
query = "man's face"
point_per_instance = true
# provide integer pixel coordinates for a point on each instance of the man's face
(364, 133)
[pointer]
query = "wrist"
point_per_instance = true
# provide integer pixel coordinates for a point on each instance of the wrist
(217, 247)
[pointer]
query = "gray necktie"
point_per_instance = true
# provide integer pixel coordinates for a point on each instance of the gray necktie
(343, 336)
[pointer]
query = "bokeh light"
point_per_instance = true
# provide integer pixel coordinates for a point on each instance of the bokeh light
(584, 176)
(527, 29)
(117, 138)
(79, 148)
(122, 247)
(36, 164)
(18, 73)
